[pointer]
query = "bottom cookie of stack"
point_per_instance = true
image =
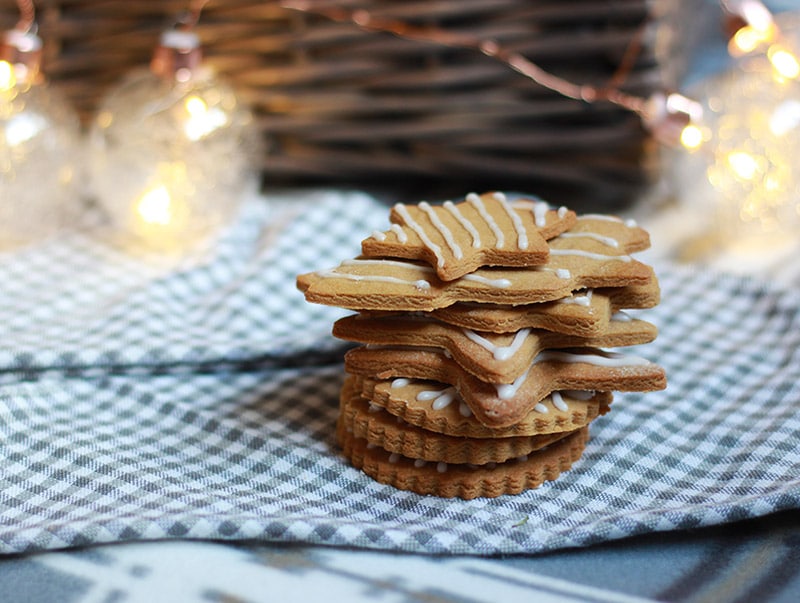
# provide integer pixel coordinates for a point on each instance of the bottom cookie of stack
(489, 463)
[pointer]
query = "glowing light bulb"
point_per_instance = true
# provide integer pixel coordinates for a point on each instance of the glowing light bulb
(785, 63)
(743, 164)
(154, 206)
(746, 172)
(7, 78)
(692, 137)
(749, 38)
(172, 150)
(39, 147)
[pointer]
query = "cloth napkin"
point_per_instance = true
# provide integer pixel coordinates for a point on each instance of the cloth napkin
(195, 398)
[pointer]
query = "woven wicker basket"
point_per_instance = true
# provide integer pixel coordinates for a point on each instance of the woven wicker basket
(340, 106)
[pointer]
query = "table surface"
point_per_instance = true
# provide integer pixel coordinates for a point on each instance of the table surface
(755, 560)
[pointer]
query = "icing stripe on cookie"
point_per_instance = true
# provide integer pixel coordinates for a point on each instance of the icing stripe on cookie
(442, 228)
(476, 202)
(466, 224)
(519, 227)
(417, 228)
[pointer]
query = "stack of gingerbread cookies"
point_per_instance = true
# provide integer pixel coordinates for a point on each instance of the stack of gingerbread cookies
(484, 329)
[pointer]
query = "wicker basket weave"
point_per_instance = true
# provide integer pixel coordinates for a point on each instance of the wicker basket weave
(341, 106)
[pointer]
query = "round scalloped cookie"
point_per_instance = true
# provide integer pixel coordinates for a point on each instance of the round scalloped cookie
(463, 481)
(380, 428)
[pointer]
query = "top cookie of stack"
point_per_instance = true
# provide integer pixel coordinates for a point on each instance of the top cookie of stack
(502, 306)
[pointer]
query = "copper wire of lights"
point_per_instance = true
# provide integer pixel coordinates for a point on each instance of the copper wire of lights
(27, 16)
(665, 114)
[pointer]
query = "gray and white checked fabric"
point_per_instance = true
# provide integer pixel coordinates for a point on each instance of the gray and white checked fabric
(197, 400)
(78, 305)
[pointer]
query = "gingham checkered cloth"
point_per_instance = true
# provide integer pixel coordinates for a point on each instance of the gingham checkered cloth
(196, 399)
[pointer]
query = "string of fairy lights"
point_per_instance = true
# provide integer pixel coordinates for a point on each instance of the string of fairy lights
(155, 144)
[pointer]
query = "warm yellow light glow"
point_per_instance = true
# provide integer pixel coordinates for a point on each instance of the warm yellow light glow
(784, 62)
(195, 106)
(743, 164)
(7, 78)
(749, 38)
(772, 184)
(23, 127)
(154, 206)
(785, 118)
(691, 137)
(202, 120)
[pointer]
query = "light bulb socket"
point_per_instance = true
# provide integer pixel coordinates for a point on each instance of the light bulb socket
(22, 50)
(178, 55)
(668, 114)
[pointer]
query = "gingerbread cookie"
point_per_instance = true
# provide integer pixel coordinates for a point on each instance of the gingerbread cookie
(585, 313)
(503, 404)
(482, 327)
(497, 358)
(462, 480)
(394, 285)
(439, 408)
(457, 238)
(379, 428)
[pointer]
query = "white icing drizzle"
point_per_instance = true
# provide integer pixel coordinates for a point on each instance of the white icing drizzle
(522, 235)
(497, 283)
(441, 467)
(394, 458)
(584, 299)
(631, 223)
(402, 237)
(398, 263)
(562, 211)
(540, 408)
(426, 240)
(561, 273)
(420, 284)
(506, 391)
(598, 358)
(419, 463)
(540, 209)
(400, 382)
(466, 224)
(464, 410)
(441, 398)
(610, 241)
(590, 255)
(620, 316)
(399, 232)
(522, 458)
(374, 408)
(477, 203)
(498, 352)
(442, 228)
(558, 401)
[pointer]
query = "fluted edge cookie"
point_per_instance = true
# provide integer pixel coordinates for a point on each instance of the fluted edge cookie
(439, 408)
(460, 480)
(380, 428)
(500, 405)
